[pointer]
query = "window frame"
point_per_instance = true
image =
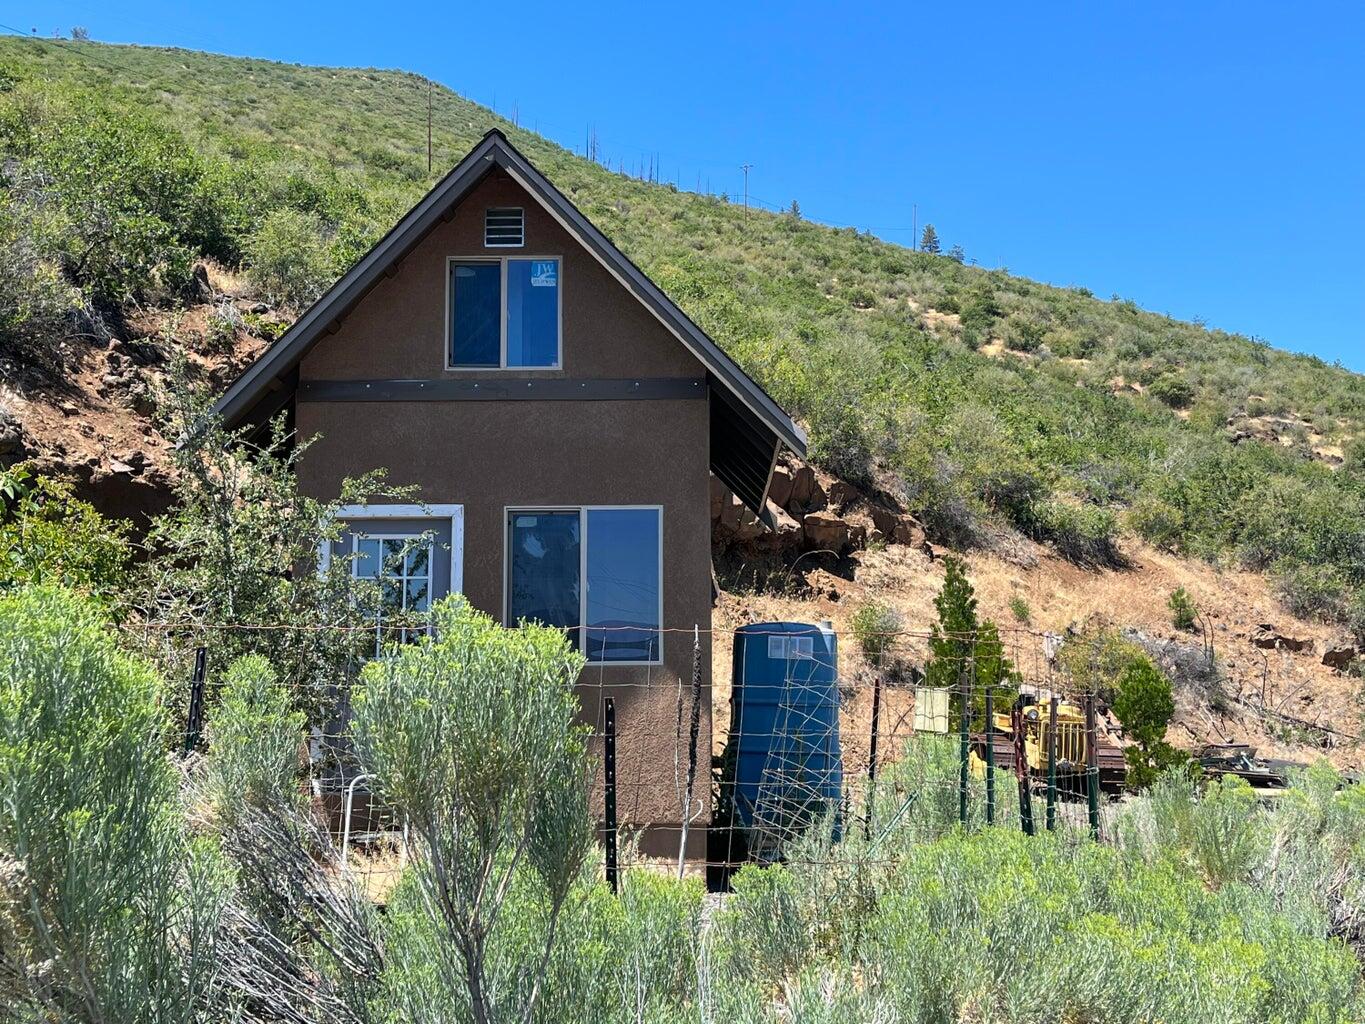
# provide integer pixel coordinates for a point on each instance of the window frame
(502, 262)
(582, 642)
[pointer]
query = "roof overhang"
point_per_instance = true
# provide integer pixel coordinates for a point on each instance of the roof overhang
(748, 427)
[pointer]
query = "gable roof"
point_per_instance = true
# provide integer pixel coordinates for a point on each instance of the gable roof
(751, 426)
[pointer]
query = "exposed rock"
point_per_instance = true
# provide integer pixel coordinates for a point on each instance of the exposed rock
(1340, 654)
(749, 528)
(719, 492)
(803, 483)
(818, 498)
(260, 307)
(11, 436)
(199, 283)
(907, 530)
(883, 520)
(1269, 638)
(788, 530)
(780, 487)
(825, 531)
(842, 493)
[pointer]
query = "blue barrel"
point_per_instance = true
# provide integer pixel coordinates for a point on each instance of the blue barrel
(784, 722)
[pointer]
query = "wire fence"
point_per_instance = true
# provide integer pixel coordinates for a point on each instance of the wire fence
(821, 739)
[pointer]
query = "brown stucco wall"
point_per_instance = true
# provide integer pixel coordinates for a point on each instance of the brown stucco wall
(491, 455)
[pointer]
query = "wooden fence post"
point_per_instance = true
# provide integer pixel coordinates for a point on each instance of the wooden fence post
(1052, 764)
(1092, 765)
(194, 717)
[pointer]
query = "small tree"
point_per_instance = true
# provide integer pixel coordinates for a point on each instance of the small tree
(472, 737)
(957, 254)
(240, 549)
(928, 240)
(1184, 612)
(1144, 705)
(959, 644)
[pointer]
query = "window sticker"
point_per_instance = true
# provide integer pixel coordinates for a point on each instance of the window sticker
(544, 274)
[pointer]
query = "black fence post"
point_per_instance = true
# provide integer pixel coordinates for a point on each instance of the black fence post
(1052, 764)
(964, 747)
(990, 757)
(194, 717)
(1092, 766)
(609, 755)
(872, 749)
(1021, 769)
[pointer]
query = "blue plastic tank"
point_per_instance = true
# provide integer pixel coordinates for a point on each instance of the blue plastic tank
(784, 720)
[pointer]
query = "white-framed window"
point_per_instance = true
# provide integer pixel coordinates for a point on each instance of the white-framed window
(595, 571)
(378, 530)
(400, 564)
(503, 313)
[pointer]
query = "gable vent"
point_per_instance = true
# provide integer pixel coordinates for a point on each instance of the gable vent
(504, 228)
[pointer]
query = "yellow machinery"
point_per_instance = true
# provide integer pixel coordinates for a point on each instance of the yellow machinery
(1071, 751)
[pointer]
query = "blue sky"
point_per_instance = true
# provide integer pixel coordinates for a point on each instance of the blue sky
(1206, 160)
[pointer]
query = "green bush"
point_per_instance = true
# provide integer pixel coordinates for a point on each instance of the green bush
(1019, 609)
(1084, 534)
(875, 625)
(473, 738)
(107, 908)
(1173, 390)
(287, 258)
(1184, 612)
(1144, 704)
(49, 536)
(255, 738)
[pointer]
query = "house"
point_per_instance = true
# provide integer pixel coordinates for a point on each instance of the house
(559, 415)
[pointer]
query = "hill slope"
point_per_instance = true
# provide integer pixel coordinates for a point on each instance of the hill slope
(993, 407)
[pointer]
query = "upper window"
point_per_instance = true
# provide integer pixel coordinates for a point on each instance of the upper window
(504, 228)
(504, 313)
(594, 571)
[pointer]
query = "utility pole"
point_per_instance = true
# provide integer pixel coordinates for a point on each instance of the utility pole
(914, 226)
(745, 169)
(428, 127)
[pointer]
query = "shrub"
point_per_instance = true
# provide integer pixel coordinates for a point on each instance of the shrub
(287, 257)
(875, 625)
(1024, 334)
(48, 536)
(1019, 609)
(100, 884)
(473, 738)
(255, 740)
(1084, 534)
(1309, 591)
(1184, 612)
(1173, 390)
(1144, 705)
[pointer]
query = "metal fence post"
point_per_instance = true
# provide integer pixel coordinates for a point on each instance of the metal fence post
(872, 749)
(1052, 764)
(990, 757)
(609, 756)
(964, 751)
(1092, 766)
(194, 716)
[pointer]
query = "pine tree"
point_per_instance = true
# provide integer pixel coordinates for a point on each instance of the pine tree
(960, 644)
(952, 639)
(928, 241)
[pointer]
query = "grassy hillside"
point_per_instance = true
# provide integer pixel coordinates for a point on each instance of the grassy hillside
(986, 402)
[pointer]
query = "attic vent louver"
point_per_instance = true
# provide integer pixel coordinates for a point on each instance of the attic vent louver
(504, 228)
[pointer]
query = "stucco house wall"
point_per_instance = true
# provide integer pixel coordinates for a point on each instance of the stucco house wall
(491, 455)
